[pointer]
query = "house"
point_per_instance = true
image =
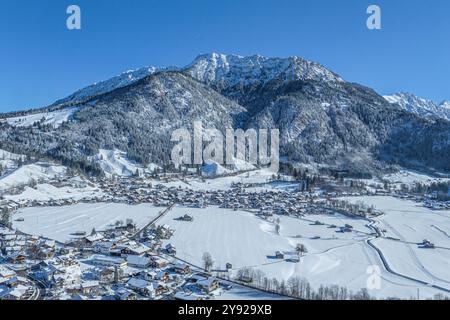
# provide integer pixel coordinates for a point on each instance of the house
(187, 296)
(109, 261)
(181, 268)
(16, 258)
(208, 285)
(139, 262)
(90, 240)
(104, 247)
(186, 218)
(162, 276)
(124, 294)
(6, 273)
(134, 248)
(85, 288)
(170, 249)
(16, 293)
(89, 287)
(107, 275)
(142, 287)
(427, 244)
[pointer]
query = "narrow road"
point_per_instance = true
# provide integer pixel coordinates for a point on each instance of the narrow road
(161, 214)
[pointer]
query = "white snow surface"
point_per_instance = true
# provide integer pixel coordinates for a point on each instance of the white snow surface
(59, 223)
(116, 162)
(242, 239)
(48, 192)
(40, 171)
(54, 118)
(232, 70)
(410, 223)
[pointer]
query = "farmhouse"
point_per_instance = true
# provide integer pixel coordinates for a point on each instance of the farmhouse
(139, 262)
(208, 285)
(181, 268)
(108, 261)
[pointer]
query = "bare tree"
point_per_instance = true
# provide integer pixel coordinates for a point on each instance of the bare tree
(301, 249)
(207, 261)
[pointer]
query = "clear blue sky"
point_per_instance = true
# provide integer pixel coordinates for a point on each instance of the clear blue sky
(41, 61)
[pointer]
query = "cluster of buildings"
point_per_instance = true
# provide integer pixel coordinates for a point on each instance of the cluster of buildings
(117, 264)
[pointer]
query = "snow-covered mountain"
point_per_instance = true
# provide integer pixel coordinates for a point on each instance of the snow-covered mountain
(122, 80)
(226, 71)
(221, 70)
(420, 106)
(322, 118)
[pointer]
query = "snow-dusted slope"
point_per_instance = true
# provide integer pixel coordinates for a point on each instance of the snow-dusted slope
(116, 82)
(115, 162)
(33, 172)
(9, 161)
(420, 106)
(231, 70)
(54, 118)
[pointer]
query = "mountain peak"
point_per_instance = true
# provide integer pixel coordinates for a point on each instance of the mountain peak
(231, 70)
(420, 106)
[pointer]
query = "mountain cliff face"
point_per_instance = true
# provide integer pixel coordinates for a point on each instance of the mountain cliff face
(322, 118)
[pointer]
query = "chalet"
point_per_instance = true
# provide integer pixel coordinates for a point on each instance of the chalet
(90, 240)
(170, 249)
(108, 261)
(208, 285)
(142, 287)
(184, 296)
(6, 273)
(181, 268)
(134, 248)
(162, 276)
(16, 258)
(66, 276)
(90, 287)
(139, 262)
(108, 275)
(86, 288)
(104, 247)
(124, 294)
(16, 293)
(158, 262)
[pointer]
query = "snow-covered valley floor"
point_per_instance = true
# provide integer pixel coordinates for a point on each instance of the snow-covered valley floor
(244, 240)
(60, 223)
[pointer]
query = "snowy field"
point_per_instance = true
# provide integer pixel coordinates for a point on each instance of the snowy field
(410, 224)
(48, 192)
(60, 222)
(244, 240)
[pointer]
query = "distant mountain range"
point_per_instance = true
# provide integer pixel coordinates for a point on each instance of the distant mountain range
(420, 106)
(323, 119)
